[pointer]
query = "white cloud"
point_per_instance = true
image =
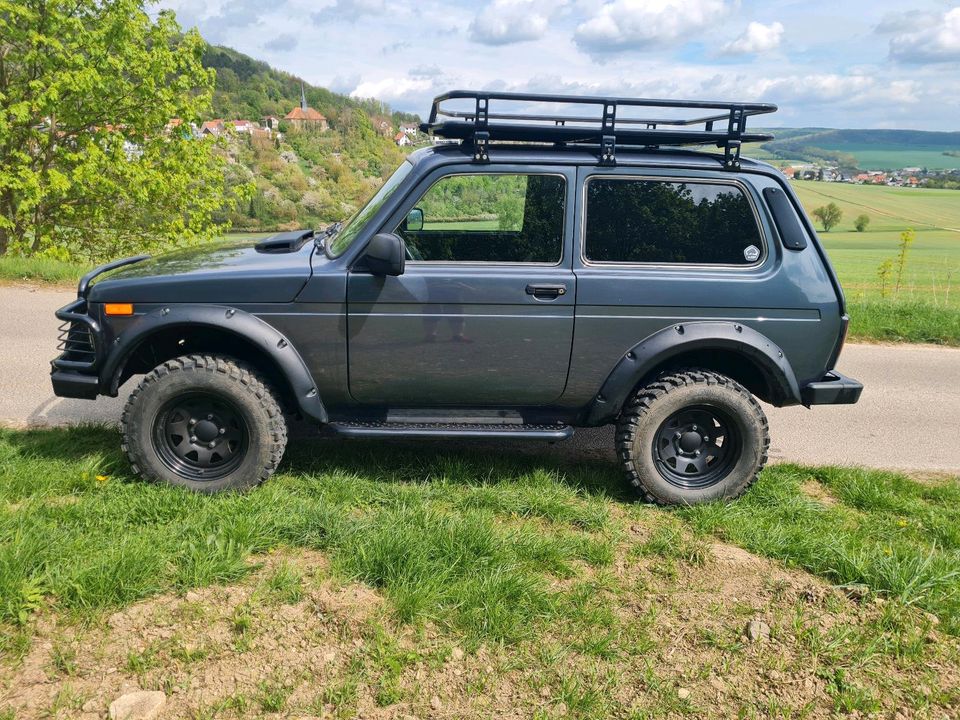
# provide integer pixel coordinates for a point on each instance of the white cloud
(350, 10)
(757, 38)
(938, 41)
(643, 24)
(503, 22)
(394, 89)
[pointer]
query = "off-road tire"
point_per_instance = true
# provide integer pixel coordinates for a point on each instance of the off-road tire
(220, 377)
(653, 404)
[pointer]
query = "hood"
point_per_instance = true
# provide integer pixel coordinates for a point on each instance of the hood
(220, 272)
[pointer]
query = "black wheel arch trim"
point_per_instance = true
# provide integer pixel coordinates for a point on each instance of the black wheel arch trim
(658, 348)
(244, 325)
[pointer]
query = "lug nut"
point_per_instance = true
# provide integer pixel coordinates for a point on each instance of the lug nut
(693, 427)
(192, 422)
(210, 417)
(697, 453)
(212, 445)
(193, 438)
(223, 431)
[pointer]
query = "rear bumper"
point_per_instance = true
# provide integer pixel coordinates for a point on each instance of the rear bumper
(834, 388)
(74, 385)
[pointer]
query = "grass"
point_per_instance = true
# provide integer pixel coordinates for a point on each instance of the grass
(46, 270)
(547, 572)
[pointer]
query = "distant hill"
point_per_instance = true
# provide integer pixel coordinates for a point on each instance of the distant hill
(868, 149)
(301, 178)
(251, 89)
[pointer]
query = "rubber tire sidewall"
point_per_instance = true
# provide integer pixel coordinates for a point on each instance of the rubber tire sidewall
(734, 403)
(151, 398)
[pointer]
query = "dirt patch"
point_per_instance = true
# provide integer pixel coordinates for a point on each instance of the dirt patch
(326, 648)
(815, 491)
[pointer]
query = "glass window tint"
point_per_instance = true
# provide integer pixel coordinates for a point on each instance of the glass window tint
(489, 218)
(653, 221)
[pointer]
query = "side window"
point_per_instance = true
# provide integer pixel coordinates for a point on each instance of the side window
(499, 218)
(654, 221)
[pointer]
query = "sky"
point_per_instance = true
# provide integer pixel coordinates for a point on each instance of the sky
(826, 63)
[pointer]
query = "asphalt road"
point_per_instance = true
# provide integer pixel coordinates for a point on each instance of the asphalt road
(908, 417)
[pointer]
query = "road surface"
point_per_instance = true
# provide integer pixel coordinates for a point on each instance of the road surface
(907, 418)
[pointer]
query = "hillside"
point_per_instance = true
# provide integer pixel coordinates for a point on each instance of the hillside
(868, 149)
(301, 178)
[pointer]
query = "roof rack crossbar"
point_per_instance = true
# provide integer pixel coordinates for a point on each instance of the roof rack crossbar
(606, 130)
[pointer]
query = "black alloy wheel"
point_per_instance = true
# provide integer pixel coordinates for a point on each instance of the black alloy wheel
(200, 436)
(696, 447)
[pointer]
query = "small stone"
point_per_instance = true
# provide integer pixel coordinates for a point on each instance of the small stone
(931, 618)
(141, 705)
(435, 703)
(456, 654)
(193, 596)
(89, 706)
(775, 675)
(683, 693)
(561, 709)
(330, 657)
(757, 630)
(855, 591)
(545, 692)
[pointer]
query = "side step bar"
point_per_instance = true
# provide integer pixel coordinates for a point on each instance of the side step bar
(550, 433)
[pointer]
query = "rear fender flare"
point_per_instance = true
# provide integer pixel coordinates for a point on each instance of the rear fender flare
(644, 357)
(263, 336)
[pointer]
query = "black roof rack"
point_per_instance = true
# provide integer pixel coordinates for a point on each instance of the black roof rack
(478, 125)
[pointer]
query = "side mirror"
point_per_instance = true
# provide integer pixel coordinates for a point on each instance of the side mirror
(414, 220)
(385, 254)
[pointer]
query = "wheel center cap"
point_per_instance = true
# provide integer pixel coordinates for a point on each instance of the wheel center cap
(206, 431)
(690, 441)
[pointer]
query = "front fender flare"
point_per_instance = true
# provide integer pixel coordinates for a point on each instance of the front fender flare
(658, 348)
(258, 333)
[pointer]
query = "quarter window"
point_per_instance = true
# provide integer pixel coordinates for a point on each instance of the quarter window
(500, 218)
(631, 220)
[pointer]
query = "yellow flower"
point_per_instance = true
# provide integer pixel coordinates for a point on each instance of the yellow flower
(102, 478)
(902, 523)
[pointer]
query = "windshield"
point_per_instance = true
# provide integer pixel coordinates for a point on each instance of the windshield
(352, 227)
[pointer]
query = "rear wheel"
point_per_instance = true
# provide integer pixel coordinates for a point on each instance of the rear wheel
(690, 437)
(207, 423)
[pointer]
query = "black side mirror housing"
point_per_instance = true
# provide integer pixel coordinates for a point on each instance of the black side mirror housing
(385, 254)
(414, 220)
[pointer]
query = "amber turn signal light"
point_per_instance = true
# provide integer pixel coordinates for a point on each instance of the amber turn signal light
(118, 309)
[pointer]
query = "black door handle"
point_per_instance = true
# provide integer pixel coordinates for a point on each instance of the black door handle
(546, 291)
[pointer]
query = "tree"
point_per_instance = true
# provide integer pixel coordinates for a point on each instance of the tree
(88, 165)
(861, 222)
(828, 215)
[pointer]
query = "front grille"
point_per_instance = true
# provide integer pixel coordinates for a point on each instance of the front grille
(76, 342)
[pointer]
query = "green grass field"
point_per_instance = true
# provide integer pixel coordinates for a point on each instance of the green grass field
(372, 577)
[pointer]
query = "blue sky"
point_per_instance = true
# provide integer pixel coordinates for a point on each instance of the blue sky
(878, 64)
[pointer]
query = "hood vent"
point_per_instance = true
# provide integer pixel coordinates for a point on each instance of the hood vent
(285, 242)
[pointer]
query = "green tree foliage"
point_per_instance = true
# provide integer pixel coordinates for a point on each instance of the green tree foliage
(861, 222)
(87, 169)
(828, 215)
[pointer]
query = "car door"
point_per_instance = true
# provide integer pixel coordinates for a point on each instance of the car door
(483, 314)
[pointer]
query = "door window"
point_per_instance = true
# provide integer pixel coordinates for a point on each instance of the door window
(632, 220)
(502, 218)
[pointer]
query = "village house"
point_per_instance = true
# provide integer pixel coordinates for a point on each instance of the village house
(245, 127)
(271, 122)
(402, 139)
(410, 129)
(305, 117)
(212, 128)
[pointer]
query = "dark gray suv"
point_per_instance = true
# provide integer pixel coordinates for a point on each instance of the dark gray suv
(545, 269)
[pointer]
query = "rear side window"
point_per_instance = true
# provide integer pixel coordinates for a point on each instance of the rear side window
(632, 220)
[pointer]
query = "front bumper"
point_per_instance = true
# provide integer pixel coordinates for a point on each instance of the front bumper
(834, 388)
(71, 384)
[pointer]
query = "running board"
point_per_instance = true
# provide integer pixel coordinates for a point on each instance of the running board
(519, 431)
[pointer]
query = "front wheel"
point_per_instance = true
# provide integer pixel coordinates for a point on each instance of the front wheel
(691, 437)
(204, 422)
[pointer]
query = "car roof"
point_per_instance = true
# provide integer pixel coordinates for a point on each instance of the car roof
(516, 154)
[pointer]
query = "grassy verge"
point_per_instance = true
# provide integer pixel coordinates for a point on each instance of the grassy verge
(46, 270)
(429, 580)
(912, 321)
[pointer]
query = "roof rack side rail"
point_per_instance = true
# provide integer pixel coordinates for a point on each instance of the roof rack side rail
(607, 130)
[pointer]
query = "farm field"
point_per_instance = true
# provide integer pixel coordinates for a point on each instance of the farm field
(377, 580)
